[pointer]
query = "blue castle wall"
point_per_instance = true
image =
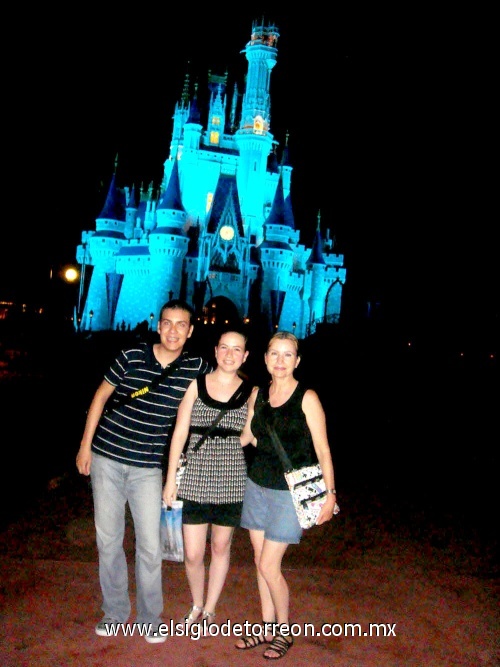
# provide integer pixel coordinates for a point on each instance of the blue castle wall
(220, 230)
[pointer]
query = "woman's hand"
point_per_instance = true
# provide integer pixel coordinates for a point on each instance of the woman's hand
(327, 509)
(169, 493)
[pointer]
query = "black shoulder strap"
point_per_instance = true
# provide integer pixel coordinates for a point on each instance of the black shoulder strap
(261, 406)
(280, 450)
(237, 396)
(210, 429)
(241, 395)
(166, 372)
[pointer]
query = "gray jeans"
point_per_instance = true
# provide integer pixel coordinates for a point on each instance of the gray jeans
(113, 485)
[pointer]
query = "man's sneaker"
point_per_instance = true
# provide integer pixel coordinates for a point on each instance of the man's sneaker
(154, 636)
(103, 628)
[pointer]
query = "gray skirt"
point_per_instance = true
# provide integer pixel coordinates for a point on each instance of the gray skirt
(272, 511)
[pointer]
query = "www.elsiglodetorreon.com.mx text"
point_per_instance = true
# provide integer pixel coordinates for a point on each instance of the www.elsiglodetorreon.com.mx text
(196, 631)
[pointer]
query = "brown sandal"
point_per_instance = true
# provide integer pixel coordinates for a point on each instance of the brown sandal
(279, 645)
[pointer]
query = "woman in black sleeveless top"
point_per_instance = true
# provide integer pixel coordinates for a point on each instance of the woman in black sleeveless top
(268, 512)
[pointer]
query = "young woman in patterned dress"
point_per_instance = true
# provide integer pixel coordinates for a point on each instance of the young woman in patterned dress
(213, 483)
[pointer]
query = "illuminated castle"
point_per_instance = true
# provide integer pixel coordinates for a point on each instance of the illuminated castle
(220, 231)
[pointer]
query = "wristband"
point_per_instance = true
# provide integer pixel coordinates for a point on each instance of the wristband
(332, 491)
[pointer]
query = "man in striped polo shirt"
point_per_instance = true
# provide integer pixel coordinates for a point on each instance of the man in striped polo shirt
(122, 449)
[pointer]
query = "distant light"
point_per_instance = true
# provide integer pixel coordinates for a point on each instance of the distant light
(70, 275)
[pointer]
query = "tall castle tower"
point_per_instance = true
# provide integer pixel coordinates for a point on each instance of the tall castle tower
(220, 232)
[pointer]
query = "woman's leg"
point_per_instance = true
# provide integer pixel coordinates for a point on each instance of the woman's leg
(220, 540)
(266, 600)
(270, 569)
(195, 541)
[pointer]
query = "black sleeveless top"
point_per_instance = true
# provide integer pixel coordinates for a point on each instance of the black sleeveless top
(290, 424)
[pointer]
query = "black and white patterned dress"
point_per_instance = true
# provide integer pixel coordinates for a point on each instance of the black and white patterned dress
(216, 473)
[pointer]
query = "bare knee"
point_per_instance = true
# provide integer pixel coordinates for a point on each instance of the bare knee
(268, 570)
(193, 557)
(220, 549)
(220, 542)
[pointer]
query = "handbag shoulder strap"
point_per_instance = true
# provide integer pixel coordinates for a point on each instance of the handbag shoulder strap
(285, 461)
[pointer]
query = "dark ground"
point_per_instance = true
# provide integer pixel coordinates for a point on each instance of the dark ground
(413, 435)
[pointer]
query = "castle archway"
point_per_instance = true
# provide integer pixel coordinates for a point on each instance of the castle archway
(218, 314)
(221, 312)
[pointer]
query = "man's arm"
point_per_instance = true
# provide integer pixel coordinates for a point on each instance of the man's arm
(84, 456)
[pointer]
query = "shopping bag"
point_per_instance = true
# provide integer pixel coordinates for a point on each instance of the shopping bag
(172, 544)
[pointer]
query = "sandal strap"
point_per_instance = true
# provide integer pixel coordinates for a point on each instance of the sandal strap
(279, 645)
(189, 615)
(251, 641)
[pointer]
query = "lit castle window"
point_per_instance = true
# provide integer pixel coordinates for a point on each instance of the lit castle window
(258, 125)
(210, 197)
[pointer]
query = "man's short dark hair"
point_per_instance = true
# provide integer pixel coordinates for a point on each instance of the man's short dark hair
(181, 305)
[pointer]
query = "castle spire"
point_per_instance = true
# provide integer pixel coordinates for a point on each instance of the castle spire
(114, 206)
(234, 106)
(316, 256)
(277, 215)
(285, 157)
(194, 111)
(185, 89)
(171, 199)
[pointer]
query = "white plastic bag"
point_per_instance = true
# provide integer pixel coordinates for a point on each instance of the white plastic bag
(172, 544)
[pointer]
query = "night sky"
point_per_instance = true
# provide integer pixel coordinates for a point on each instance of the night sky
(389, 136)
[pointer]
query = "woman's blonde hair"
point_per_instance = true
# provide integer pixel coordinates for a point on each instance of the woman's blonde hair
(285, 335)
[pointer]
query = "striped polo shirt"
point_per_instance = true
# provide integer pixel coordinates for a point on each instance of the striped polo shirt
(136, 432)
